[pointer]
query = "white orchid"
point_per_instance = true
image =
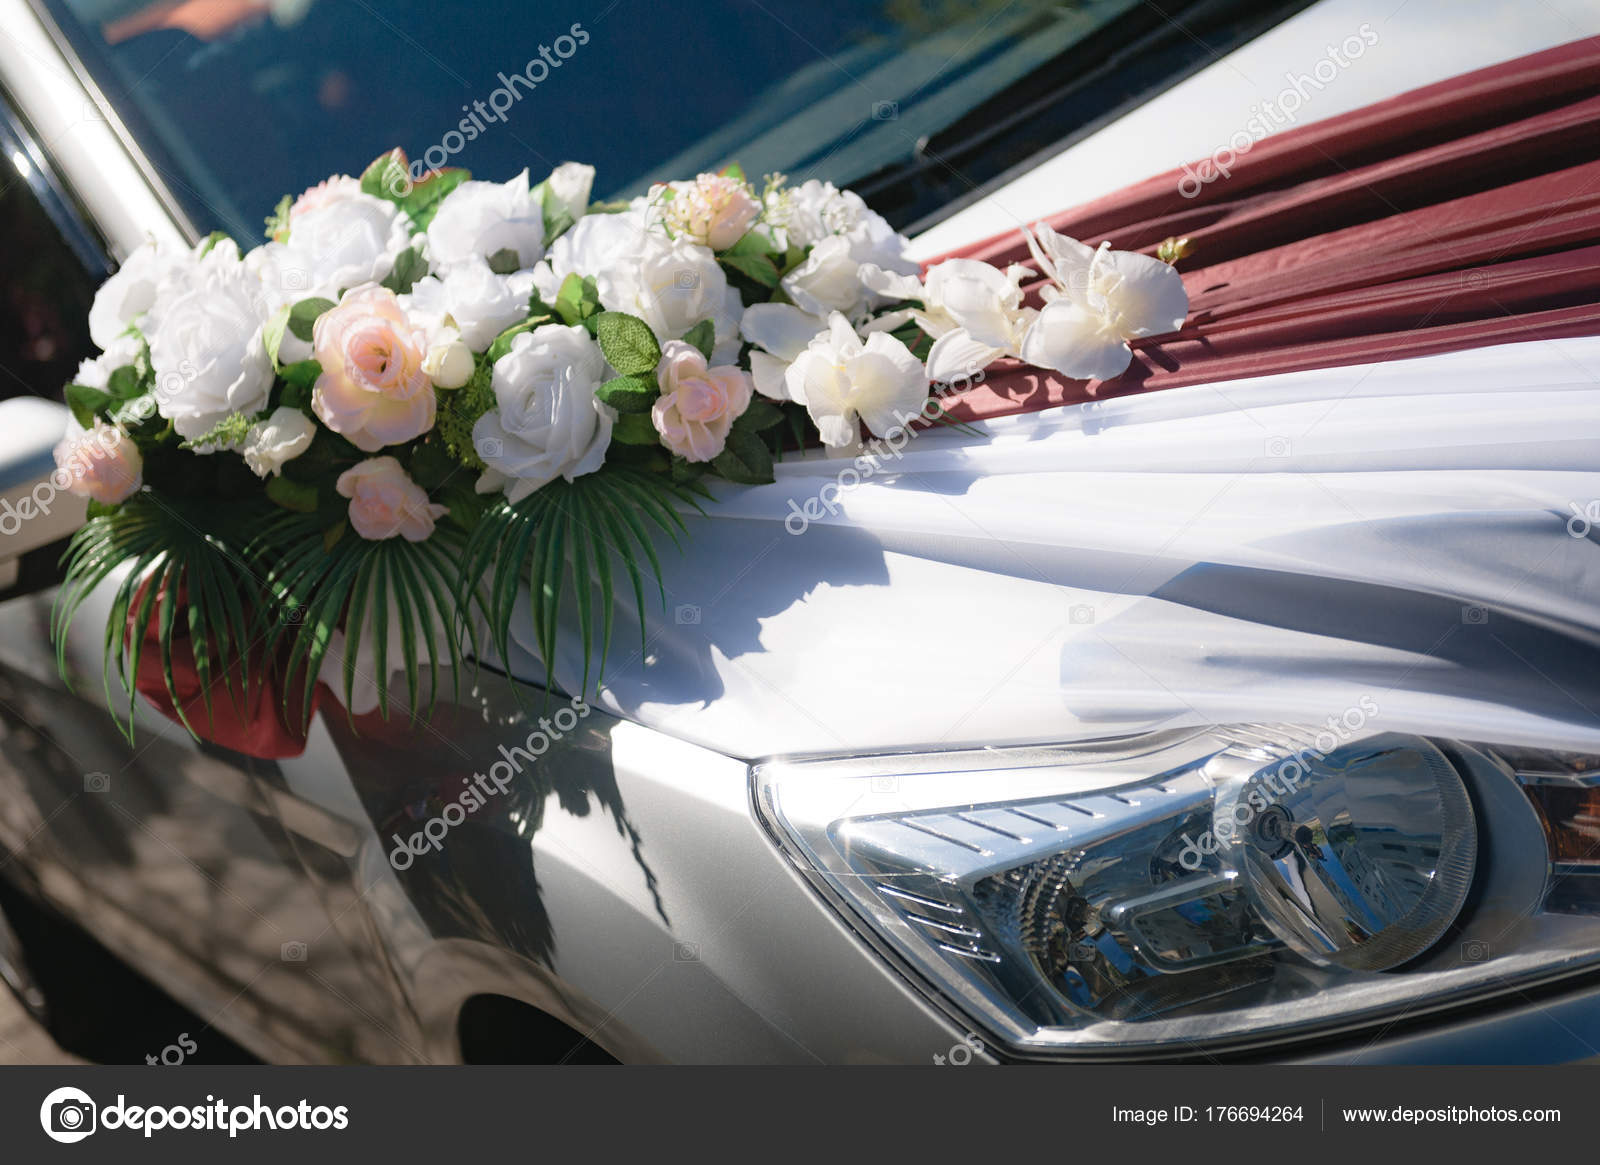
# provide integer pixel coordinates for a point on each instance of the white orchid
(1097, 300)
(974, 313)
(844, 381)
(779, 332)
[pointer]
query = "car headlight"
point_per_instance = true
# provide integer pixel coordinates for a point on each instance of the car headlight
(1191, 889)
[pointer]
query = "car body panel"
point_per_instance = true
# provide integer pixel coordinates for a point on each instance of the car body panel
(621, 883)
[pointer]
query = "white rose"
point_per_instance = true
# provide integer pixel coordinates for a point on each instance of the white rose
(472, 299)
(153, 269)
(206, 348)
(282, 437)
(829, 280)
(343, 241)
(672, 285)
(854, 252)
(479, 219)
(596, 243)
(96, 373)
(547, 422)
(570, 184)
(842, 382)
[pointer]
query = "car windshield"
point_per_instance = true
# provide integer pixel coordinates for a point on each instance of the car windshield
(239, 101)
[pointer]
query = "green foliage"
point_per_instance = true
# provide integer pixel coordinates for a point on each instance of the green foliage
(459, 410)
(278, 220)
(635, 429)
(562, 539)
(628, 343)
(86, 403)
(505, 261)
(303, 317)
(163, 548)
(227, 433)
(409, 267)
(316, 581)
(703, 336)
(746, 458)
(757, 267)
(629, 394)
(577, 299)
(389, 178)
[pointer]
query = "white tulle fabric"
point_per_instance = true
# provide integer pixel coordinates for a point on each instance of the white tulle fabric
(1272, 549)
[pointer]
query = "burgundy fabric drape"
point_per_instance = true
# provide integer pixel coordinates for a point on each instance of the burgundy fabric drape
(1459, 215)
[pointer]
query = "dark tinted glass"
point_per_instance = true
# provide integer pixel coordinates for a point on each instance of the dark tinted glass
(51, 270)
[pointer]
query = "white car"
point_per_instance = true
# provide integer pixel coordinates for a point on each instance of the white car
(1249, 718)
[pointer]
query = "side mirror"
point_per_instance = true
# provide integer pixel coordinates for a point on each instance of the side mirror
(35, 512)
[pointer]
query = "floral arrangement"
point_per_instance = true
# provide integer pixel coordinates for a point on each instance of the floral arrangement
(340, 454)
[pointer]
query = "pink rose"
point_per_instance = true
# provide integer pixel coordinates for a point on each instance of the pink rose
(102, 464)
(373, 390)
(714, 209)
(385, 502)
(698, 405)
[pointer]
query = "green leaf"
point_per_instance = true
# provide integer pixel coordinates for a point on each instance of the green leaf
(753, 242)
(703, 336)
(635, 429)
(272, 332)
(563, 540)
(86, 403)
(502, 342)
(292, 495)
(505, 261)
(387, 178)
(628, 342)
(733, 170)
(225, 434)
(762, 414)
(577, 299)
(298, 380)
(409, 266)
(423, 201)
(278, 220)
(557, 218)
(125, 383)
(629, 394)
(210, 241)
(745, 460)
(757, 267)
(303, 316)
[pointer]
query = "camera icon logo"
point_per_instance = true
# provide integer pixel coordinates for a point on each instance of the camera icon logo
(885, 110)
(687, 615)
(294, 279)
(68, 1115)
(1475, 616)
(1475, 950)
(1080, 613)
(685, 952)
(1279, 447)
(96, 782)
(488, 448)
(686, 280)
(293, 952)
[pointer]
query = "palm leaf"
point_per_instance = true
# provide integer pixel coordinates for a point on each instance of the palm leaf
(564, 537)
(354, 586)
(161, 546)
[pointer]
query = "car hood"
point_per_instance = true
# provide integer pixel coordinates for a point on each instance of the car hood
(1415, 534)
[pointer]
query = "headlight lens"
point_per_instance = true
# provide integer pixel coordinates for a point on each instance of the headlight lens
(1232, 885)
